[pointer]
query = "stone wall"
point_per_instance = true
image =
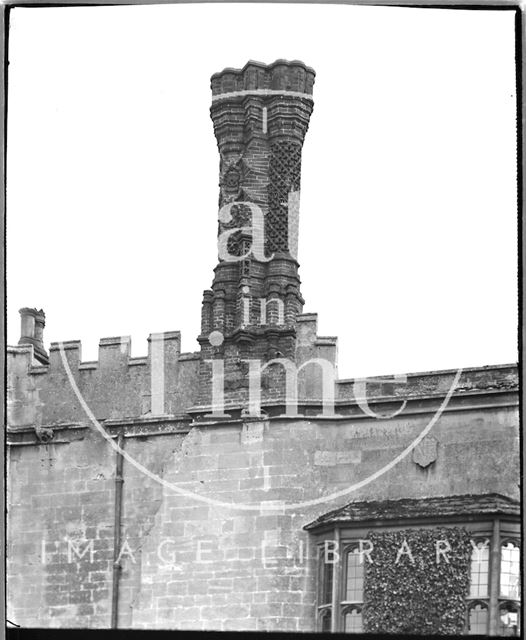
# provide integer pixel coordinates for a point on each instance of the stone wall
(205, 561)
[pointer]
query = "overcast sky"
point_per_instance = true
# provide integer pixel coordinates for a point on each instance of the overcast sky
(408, 200)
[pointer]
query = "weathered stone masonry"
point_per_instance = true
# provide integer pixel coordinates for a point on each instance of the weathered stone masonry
(235, 555)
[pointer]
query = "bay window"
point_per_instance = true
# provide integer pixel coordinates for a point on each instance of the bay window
(491, 565)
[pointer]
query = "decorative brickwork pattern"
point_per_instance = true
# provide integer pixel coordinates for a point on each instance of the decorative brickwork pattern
(284, 178)
(260, 115)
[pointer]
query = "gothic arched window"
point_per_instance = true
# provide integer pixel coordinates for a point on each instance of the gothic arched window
(478, 619)
(352, 620)
(509, 618)
(325, 620)
(354, 575)
(510, 570)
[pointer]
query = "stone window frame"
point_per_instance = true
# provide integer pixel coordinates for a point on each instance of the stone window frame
(472, 605)
(339, 583)
(498, 529)
(502, 533)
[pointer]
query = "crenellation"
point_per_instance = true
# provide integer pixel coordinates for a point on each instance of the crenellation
(134, 362)
(38, 369)
(281, 75)
(113, 352)
(24, 353)
(70, 349)
(116, 385)
(90, 364)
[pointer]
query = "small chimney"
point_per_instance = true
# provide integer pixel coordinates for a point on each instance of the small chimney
(33, 322)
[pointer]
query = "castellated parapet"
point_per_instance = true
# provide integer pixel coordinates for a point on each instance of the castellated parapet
(163, 385)
(281, 75)
(116, 386)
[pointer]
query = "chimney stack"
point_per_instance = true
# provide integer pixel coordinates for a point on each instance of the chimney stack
(260, 115)
(33, 322)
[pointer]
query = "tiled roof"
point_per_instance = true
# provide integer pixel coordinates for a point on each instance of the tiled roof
(441, 506)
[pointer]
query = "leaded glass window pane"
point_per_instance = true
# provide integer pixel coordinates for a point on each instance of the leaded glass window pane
(354, 590)
(353, 621)
(479, 570)
(509, 570)
(478, 620)
(326, 576)
(325, 619)
(508, 620)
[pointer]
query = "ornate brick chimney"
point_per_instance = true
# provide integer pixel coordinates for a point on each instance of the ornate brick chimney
(33, 322)
(261, 114)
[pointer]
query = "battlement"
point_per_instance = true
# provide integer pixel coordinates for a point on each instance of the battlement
(116, 351)
(113, 351)
(118, 386)
(281, 75)
(115, 386)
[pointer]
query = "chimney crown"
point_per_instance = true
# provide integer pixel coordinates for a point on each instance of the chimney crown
(33, 322)
(281, 75)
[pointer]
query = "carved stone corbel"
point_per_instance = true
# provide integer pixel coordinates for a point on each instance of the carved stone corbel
(44, 435)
